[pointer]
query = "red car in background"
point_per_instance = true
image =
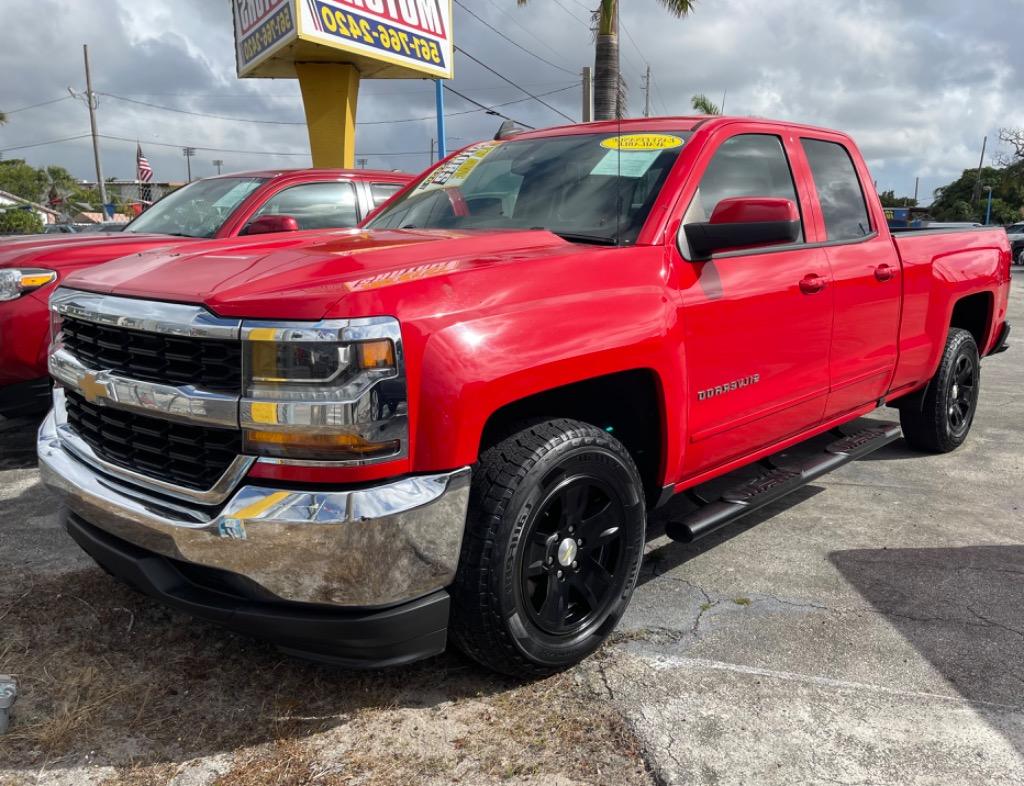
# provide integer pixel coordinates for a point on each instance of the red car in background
(248, 203)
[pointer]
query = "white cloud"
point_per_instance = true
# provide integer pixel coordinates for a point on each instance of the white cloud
(917, 84)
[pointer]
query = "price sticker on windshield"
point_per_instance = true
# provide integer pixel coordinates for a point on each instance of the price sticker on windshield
(642, 142)
(455, 172)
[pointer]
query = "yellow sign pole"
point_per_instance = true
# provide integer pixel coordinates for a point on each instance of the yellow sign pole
(329, 95)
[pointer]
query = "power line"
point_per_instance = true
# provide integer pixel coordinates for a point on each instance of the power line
(657, 95)
(41, 144)
(570, 13)
(292, 123)
(202, 114)
(34, 106)
(256, 152)
(178, 145)
(489, 26)
(506, 79)
(518, 24)
(489, 110)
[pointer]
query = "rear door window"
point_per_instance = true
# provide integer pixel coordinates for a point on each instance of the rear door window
(839, 190)
(327, 205)
(382, 192)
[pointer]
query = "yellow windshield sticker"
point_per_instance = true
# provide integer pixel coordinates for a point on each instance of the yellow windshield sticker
(455, 171)
(642, 142)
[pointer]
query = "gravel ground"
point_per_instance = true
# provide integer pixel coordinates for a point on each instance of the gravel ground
(867, 630)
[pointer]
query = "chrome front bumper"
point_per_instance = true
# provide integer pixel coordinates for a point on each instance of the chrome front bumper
(370, 547)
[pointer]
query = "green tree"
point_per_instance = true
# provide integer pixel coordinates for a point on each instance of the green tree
(889, 199)
(3, 118)
(20, 222)
(965, 199)
(701, 103)
(609, 99)
(20, 179)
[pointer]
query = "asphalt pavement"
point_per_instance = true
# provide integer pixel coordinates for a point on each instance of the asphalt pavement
(869, 629)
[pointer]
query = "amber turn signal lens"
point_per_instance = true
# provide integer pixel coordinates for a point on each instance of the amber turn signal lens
(307, 445)
(36, 280)
(376, 354)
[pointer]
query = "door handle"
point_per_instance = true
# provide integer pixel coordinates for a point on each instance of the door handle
(883, 272)
(812, 283)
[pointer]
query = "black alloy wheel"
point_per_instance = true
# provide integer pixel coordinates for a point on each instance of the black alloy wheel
(552, 550)
(573, 552)
(939, 419)
(963, 394)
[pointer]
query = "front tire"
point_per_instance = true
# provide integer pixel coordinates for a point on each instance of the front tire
(552, 550)
(940, 421)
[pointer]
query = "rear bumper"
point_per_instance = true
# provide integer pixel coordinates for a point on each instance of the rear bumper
(354, 638)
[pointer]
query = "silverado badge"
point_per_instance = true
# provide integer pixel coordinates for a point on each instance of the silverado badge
(728, 387)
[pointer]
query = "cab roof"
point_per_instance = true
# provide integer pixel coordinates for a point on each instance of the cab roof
(355, 174)
(672, 123)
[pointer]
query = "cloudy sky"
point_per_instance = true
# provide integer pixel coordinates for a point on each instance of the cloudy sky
(918, 84)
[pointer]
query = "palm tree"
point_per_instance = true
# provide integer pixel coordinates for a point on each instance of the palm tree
(609, 100)
(701, 103)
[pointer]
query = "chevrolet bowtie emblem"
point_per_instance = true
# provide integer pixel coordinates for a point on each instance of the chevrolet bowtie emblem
(90, 387)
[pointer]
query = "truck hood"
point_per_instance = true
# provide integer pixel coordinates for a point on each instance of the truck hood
(65, 252)
(301, 276)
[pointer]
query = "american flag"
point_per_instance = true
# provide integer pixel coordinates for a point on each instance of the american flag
(144, 170)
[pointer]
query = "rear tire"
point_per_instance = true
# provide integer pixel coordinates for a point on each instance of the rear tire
(940, 421)
(552, 550)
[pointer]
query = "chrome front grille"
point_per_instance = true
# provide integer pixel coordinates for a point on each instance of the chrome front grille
(151, 392)
(193, 457)
(207, 363)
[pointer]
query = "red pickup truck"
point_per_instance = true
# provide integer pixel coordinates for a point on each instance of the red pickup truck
(248, 203)
(456, 419)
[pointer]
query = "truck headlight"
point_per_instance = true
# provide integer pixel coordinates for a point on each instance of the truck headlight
(328, 391)
(15, 282)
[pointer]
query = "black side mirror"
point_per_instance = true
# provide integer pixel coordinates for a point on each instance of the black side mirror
(744, 222)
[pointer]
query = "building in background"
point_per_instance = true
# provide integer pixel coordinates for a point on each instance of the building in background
(12, 202)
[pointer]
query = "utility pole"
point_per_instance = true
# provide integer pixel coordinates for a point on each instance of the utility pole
(188, 152)
(588, 94)
(976, 193)
(647, 93)
(432, 143)
(917, 182)
(90, 99)
(218, 163)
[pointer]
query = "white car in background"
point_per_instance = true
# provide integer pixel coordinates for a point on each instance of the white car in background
(1016, 234)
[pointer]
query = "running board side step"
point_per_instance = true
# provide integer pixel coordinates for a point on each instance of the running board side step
(751, 495)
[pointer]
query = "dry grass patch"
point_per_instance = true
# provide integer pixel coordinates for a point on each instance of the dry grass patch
(111, 677)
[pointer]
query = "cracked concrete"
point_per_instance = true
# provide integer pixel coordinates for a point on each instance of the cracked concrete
(882, 641)
(866, 630)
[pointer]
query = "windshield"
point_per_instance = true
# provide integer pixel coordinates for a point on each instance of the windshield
(595, 188)
(197, 210)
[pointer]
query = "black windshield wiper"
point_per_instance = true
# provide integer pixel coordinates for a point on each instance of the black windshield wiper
(576, 237)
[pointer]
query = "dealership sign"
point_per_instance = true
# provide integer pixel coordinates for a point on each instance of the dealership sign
(382, 38)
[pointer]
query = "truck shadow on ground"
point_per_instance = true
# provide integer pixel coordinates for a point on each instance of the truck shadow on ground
(962, 609)
(18, 443)
(668, 556)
